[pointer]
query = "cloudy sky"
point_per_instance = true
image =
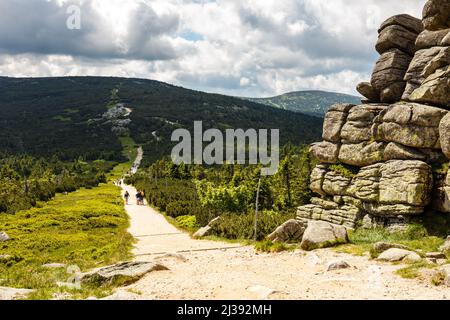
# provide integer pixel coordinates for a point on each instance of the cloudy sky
(238, 47)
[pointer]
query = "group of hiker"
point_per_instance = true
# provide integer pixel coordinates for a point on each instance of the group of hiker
(140, 196)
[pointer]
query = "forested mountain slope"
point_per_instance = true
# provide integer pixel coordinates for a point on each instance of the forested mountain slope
(66, 116)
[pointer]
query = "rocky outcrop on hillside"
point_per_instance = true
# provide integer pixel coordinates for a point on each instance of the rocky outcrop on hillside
(386, 160)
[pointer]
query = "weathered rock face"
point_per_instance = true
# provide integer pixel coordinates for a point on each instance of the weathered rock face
(290, 231)
(428, 74)
(436, 14)
(385, 161)
(372, 133)
(345, 214)
(397, 187)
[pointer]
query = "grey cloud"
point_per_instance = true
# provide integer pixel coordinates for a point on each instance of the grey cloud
(39, 26)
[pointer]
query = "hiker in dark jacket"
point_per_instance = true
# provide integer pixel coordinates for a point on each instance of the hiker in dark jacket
(126, 196)
(138, 198)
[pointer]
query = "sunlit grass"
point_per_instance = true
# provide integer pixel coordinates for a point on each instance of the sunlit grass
(87, 228)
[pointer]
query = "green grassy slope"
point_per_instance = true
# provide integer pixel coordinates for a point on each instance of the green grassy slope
(86, 228)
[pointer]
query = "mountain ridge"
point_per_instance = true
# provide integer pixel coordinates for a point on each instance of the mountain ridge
(311, 102)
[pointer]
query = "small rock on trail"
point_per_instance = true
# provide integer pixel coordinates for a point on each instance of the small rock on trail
(337, 265)
(124, 273)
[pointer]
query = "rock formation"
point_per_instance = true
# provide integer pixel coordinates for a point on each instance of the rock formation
(386, 160)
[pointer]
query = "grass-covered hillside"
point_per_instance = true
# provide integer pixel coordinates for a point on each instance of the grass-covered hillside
(314, 103)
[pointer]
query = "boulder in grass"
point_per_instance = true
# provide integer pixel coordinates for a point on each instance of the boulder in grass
(4, 237)
(121, 273)
(321, 234)
(396, 255)
(445, 248)
(202, 232)
(380, 247)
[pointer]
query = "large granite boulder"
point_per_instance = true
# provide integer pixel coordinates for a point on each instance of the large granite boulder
(321, 234)
(290, 231)
(424, 63)
(434, 89)
(406, 21)
(388, 74)
(396, 45)
(362, 154)
(360, 123)
(335, 184)
(395, 255)
(405, 182)
(317, 177)
(334, 120)
(326, 152)
(412, 125)
(428, 39)
(344, 214)
(395, 187)
(396, 37)
(366, 90)
(436, 14)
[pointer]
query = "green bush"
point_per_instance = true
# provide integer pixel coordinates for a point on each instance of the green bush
(345, 170)
(187, 222)
(241, 226)
(270, 247)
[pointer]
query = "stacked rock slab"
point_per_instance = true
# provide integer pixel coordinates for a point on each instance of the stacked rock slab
(396, 45)
(386, 161)
(428, 75)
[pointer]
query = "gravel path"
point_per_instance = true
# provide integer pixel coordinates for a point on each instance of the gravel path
(241, 273)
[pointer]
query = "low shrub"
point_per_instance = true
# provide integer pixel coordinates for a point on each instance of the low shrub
(270, 247)
(187, 222)
(345, 170)
(241, 226)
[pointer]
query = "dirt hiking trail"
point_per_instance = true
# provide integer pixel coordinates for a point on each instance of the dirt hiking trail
(202, 269)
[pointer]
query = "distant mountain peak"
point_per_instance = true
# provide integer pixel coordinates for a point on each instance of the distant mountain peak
(311, 102)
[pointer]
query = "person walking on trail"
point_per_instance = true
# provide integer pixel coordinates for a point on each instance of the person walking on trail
(138, 198)
(126, 196)
(142, 197)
